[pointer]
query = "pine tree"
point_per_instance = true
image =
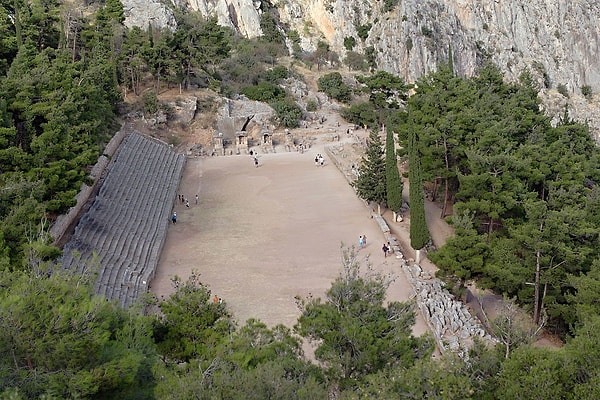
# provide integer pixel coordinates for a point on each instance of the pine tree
(371, 182)
(419, 233)
(393, 181)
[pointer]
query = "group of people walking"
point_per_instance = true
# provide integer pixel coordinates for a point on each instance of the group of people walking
(186, 202)
(386, 248)
(319, 160)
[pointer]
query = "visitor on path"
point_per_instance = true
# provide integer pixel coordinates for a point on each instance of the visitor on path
(317, 160)
(196, 199)
(385, 250)
(216, 299)
(187, 203)
(174, 218)
(182, 199)
(364, 239)
(256, 162)
(321, 160)
(361, 241)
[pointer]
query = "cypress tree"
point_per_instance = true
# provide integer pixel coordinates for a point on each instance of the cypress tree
(393, 181)
(419, 233)
(371, 182)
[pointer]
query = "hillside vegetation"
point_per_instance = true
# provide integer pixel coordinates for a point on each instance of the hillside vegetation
(525, 197)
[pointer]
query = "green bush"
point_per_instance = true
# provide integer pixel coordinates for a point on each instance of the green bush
(277, 74)
(288, 112)
(389, 5)
(349, 43)
(363, 31)
(586, 91)
(264, 91)
(333, 85)
(150, 102)
(311, 105)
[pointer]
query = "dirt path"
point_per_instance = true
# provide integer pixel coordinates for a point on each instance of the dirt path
(261, 236)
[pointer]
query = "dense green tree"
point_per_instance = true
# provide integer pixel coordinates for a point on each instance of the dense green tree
(334, 86)
(426, 379)
(255, 363)
(271, 33)
(356, 334)
(362, 114)
(288, 112)
(191, 325)
(464, 256)
(419, 232)
(393, 181)
(60, 341)
(8, 36)
(385, 90)
(531, 373)
(199, 45)
(264, 91)
(370, 184)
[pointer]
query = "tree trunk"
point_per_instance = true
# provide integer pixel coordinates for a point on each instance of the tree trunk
(536, 300)
(446, 194)
(446, 187)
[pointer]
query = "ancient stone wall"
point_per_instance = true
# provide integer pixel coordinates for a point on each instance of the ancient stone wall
(449, 320)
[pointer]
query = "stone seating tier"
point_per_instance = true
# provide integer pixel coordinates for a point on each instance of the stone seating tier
(127, 224)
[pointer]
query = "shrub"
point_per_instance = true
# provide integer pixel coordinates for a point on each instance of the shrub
(586, 91)
(355, 61)
(363, 31)
(333, 85)
(312, 105)
(150, 102)
(264, 91)
(287, 112)
(426, 31)
(277, 74)
(349, 43)
(389, 5)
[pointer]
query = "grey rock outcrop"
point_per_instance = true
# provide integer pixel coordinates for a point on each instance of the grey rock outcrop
(148, 12)
(557, 41)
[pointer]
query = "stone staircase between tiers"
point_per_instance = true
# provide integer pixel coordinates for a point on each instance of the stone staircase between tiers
(123, 232)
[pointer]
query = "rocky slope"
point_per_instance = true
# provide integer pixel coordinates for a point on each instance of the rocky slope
(558, 41)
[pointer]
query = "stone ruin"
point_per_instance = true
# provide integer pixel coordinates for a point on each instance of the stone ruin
(241, 142)
(218, 145)
(266, 141)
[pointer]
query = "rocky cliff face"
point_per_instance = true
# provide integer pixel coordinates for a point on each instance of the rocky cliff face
(558, 41)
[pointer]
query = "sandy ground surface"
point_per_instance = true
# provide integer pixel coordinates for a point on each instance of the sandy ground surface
(261, 236)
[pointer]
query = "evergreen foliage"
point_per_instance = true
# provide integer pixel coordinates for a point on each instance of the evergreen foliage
(370, 184)
(57, 340)
(356, 334)
(191, 324)
(526, 188)
(524, 196)
(333, 85)
(419, 232)
(393, 180)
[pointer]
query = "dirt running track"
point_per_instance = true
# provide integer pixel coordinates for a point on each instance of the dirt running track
(260, 236)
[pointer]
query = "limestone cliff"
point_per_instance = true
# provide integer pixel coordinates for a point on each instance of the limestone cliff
(558, 41)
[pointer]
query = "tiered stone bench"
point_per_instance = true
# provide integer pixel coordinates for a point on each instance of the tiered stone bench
(127, 223)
